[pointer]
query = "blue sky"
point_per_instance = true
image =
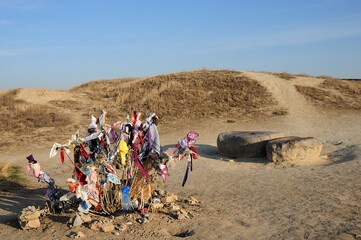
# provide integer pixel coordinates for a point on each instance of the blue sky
(61, 44)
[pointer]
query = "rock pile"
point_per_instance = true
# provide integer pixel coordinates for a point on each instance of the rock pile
(29, 218)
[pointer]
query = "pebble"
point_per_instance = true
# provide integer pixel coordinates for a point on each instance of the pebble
(80, 235)
(157, 205)
(175, 208)
(107, 227)
(171, 198)
(77, 221)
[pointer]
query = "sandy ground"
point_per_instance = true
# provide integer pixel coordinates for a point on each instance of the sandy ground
(241, 199)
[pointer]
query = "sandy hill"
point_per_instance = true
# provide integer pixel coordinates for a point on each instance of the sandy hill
(177, 98)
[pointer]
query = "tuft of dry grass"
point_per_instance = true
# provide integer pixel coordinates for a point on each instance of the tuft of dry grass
(302, 75)
(4, 170)
(280, 112)
(8, 172)
(284, 75)
(326, 77)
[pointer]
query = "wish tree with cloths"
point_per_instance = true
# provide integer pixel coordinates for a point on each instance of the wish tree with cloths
(116, 167)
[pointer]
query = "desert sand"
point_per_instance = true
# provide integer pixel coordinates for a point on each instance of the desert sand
(241, 198)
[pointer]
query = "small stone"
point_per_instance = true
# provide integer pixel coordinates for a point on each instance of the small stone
(182, 214)
(175, 208)
(107, 227)
(77, 221)
(85, 217)
(192, 200)
(95, 226)
(79, 235)
(157, 205)
(171, 198)
(143, 220)
(161, 192)
(72, 234)
(116, 233)
(32, 215)
(35, 223)
(122, 227)
(148, 217)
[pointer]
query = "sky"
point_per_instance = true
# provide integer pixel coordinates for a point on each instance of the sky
(61, 44)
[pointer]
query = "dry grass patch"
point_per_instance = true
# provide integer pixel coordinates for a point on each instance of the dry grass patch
(67, 104)
(302, 75)
(280, 112)
(334, 93)
(328, 99)
(185, 95)
(347, 87)
(326, 77)
(8, 172)
(17, 114)
(284, 75)
(25, 115)
(20, 121)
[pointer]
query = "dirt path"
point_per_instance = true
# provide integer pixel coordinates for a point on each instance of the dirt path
(285, 93)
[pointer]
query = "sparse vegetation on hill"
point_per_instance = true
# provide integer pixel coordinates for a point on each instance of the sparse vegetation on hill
(16, 114)
(347, 87)
(284, 75)
(23, 123)
(334, 94)
(192, 95)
